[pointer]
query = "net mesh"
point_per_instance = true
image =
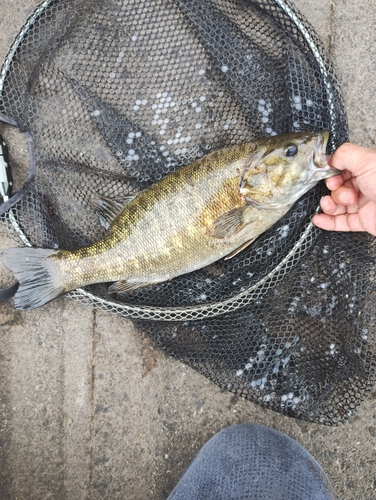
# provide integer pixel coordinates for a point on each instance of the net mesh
(117, 94)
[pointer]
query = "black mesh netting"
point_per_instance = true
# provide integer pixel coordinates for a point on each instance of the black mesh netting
(117, 94)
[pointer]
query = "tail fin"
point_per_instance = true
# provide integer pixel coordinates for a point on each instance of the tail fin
(38, 276)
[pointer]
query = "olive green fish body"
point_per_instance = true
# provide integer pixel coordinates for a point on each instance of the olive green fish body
(163, 231)
(205, 211)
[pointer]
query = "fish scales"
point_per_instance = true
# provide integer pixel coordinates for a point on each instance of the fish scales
(145, 241)
(210, 209)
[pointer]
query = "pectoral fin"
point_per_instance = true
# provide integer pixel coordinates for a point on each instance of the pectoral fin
(229, 223)
(238, 250)
(109, 208)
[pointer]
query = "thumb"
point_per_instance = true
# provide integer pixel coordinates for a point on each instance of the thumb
(350, 157)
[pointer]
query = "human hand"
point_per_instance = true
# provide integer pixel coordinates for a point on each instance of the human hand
(351, 206)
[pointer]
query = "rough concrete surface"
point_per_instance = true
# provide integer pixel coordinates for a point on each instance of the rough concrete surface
(90, 408)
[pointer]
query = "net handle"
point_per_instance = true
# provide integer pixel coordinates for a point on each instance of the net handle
(10, 202)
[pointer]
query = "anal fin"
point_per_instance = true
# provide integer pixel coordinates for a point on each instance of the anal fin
(239, 249)
(124, 286)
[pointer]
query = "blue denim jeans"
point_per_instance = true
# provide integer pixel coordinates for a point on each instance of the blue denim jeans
(253, 462)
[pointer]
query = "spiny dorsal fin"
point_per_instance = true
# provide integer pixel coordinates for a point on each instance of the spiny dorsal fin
(229, 223)
(109, 208)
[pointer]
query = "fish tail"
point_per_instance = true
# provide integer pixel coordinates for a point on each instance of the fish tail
(37, 274)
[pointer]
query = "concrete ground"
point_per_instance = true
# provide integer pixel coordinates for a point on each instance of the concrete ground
(90, 408)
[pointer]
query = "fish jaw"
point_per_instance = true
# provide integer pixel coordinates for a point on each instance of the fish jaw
(299, 175)
(318, 166)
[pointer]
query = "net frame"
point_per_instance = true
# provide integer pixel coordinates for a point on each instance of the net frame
(240, 300)
(324, 387)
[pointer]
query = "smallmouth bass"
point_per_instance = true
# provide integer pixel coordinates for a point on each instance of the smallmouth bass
(210, 209)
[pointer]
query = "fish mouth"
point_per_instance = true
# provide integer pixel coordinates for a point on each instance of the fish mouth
(319, 165)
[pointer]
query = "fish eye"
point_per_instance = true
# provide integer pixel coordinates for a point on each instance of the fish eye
(291, 150)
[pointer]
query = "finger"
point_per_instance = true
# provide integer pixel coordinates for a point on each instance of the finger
(324, 221)
(346, 157)
(329, 207)
(345, 196)
(345, 222)
(335, 182)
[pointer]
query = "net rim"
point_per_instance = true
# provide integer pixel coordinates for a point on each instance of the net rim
(185, 313)
(192, 313)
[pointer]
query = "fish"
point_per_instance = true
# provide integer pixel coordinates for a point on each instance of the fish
(210, 209)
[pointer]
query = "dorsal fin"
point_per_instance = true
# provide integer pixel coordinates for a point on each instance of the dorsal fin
(109, 208)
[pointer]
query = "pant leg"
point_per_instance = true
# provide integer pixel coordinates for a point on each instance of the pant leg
(253, 462)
